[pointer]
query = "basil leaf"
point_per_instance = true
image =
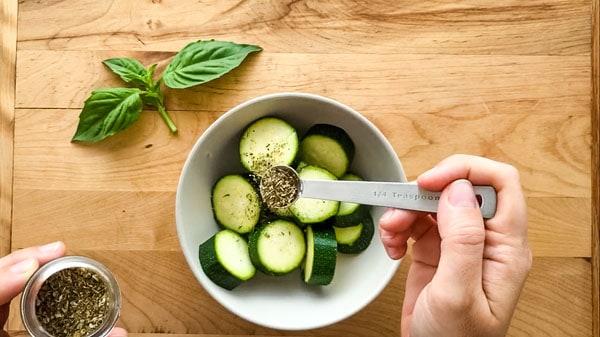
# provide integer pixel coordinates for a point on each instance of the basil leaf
(203, 61)
(130, 70)
(108, 111)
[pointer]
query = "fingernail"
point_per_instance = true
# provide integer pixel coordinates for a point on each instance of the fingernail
(387, 214)
(462, 195)
(385, 235)
(392, 252)
(23, 267)
(50, 247)
(428, 172)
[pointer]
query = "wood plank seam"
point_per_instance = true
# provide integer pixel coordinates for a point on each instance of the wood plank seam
(595, 116)
(8, 50)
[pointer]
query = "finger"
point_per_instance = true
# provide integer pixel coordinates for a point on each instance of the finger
(426, 249)
(17, 267)
(419, 276)
(118, 332)
(397, 220)
(511, 212)
(478, 170)
(462, 234)
(13, 278)
(42, 254)
(425, 257)
(396, 226)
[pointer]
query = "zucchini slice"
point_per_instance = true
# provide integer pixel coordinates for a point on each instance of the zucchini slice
(355, 239)
(225, 260)
(284, 212)
(328, 146)
(321, 255)
(266, 142)
(236, 203)
(348, 218)
(349, 213)
(277, 248)
(308, 210)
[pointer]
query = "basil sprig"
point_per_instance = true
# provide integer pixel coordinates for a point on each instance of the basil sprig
(110, 110)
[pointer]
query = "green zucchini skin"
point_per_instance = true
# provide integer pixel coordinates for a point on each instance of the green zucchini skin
(328, 146)
(354, 218)
(266, 142)
(355, 239)
(277, 248)
(236, 203)
(344, 215)
(216, 254)
(321, 255)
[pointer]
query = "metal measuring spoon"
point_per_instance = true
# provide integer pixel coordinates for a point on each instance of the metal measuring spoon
(280, 186)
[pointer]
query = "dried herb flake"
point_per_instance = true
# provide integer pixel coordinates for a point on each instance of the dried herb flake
(72, 302)
(279, 187)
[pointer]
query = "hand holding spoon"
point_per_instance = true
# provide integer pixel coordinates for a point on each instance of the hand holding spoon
(281, 186)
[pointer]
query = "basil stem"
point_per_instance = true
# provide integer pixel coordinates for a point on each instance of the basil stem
(155, 98)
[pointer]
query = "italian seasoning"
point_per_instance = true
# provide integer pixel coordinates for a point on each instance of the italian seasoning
(72, 302)
(279, 187)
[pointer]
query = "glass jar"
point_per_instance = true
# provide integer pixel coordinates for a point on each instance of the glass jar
(34, 284)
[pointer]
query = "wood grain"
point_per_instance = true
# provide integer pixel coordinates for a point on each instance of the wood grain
(541, 310)
(560, 165)
(472, 84)
(558, 27)
(595, 119)
(507, 80)
(166, 300)
(8, 54)
(145, 221)
(108, 185)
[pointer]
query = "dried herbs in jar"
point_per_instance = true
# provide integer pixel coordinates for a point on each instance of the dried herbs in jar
(72, 302)
(71, 296)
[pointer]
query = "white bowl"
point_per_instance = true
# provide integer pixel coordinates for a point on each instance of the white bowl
(285, 302)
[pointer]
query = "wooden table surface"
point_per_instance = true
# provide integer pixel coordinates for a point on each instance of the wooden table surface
(512, 81)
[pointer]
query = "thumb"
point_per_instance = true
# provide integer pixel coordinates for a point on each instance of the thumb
(462, 234)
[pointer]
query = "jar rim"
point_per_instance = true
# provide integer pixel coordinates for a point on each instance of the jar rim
(33, 285)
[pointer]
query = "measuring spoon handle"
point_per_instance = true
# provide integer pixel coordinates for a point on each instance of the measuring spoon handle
(390, 194)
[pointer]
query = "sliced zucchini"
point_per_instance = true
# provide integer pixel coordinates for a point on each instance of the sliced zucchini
(277, 248)
(284, 212)
(266, 142)
(349, 213)
(352, 218)
(329, 147)
(355, 239)
(314, 210)
(321, 254)
(351, 176)
(301, 165)
(236, 203)
(225, 260)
